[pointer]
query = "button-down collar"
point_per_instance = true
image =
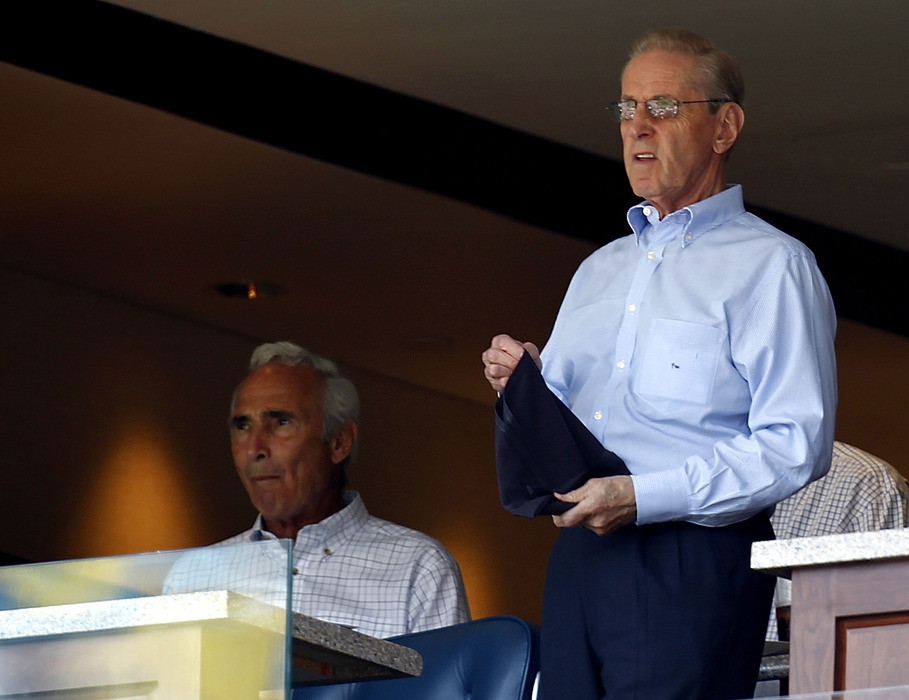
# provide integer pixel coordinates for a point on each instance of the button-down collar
(692, 221)
(330, 532)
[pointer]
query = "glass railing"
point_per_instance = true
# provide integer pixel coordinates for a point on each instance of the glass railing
(892, 693)
(206, 623)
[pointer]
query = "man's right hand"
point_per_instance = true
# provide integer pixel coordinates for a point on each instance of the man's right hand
(502, 357)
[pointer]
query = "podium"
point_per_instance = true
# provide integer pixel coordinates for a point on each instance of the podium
(850, 609)
(207, 624)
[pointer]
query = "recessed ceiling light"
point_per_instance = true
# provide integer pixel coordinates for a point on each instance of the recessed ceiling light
(249, 289)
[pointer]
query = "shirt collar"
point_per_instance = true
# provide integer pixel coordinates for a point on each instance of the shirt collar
(335, 527)
(692, 221)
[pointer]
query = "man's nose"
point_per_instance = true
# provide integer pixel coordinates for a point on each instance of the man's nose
(641, 124)
(257, 445)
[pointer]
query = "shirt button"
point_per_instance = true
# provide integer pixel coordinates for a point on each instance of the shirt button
(598, 415)
(296, 571)
(632, 308)
(327, 552)
(650, 255)
(621, 364)
(688, 237)
(647, 211)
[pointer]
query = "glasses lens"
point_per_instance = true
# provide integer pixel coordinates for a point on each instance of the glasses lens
(622, 110)
(663, 107)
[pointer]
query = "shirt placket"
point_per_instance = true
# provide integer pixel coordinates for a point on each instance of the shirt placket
(652, 244)
(306, 550)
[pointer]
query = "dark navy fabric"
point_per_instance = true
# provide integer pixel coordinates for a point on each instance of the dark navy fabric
(494, 658)
(541, 446)
(671, 611)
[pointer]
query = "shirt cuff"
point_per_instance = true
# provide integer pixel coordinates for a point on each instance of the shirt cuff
(660, 496)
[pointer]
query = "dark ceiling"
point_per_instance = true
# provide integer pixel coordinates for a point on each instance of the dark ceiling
(418, 176)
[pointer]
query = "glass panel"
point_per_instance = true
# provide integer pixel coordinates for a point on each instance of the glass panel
(206, 623)
(894, 693)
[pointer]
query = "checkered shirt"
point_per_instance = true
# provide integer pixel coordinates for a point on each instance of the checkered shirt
(378, 577)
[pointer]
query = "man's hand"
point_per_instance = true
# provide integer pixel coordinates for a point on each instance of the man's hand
(603, 505)
(502, 357)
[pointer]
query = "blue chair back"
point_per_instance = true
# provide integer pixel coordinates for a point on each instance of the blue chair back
(494, 658)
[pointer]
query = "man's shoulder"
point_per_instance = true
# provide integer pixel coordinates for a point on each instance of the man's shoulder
(386, 528)
(400, 536)
(771, 236)
(245, 536)
(723, 219)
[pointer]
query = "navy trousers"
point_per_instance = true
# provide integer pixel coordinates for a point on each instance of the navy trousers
(669, 611)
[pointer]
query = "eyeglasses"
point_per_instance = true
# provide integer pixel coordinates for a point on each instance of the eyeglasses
(658, 107)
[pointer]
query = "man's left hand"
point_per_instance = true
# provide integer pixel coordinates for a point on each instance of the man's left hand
(602, 505)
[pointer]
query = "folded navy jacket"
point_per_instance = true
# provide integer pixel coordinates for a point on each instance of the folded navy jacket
(542, 447)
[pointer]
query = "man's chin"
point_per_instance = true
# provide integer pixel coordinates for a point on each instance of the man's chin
(641, 186)
(272, 510)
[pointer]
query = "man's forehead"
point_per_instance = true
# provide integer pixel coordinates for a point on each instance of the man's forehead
(261, 407)
(657, 72)
(276, 387)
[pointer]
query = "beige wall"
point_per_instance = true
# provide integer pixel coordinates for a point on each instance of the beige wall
(114, 440)
(873, 368)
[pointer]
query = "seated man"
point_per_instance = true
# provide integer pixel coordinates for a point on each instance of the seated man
(293, 431)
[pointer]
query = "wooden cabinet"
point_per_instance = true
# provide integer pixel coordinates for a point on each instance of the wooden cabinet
(850, 608)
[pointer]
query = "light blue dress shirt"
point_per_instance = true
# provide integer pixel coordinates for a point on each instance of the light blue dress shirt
(700, 350)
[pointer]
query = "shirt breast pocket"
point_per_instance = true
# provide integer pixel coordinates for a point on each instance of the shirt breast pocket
(680, 361)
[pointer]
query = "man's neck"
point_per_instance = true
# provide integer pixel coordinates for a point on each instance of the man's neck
(288, 528)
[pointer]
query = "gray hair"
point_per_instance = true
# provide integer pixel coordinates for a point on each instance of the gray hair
(340, 401)
(718, 75)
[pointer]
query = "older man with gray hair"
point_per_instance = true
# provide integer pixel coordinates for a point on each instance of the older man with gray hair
(699, 348)
(293, 434)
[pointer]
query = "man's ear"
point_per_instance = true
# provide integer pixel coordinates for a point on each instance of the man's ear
(730, 120)
(342, 442)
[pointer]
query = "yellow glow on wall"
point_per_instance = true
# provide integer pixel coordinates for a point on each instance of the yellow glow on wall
(468, 550)
(137, 501)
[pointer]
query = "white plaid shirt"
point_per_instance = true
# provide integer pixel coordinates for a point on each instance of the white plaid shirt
(860, 493)
(380, 578)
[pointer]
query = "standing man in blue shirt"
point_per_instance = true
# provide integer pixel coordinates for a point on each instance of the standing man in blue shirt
(699, 349)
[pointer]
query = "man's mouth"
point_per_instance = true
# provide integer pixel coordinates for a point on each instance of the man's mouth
(644, 156)
(263, 478)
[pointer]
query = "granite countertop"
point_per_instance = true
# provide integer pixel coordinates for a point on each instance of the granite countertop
(324, 652)
(781, 556)
(129, 613)
(321, 652)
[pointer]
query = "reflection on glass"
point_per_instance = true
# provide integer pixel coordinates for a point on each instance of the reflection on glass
(207, 623)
